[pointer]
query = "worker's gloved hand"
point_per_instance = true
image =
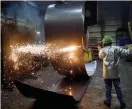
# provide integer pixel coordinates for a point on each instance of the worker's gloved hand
(102, 54)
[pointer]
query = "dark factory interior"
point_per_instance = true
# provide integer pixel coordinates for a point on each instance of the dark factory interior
(66, 54)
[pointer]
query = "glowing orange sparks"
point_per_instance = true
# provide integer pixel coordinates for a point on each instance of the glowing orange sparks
(51, 51)
(70, 48)
(70, 92)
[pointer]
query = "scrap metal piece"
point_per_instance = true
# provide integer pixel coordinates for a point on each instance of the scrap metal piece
(72, 87)
(66, 89)
(91, 68)
(33, 92)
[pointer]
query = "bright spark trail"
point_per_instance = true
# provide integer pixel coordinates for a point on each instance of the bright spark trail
(21, 55)
(26, 59)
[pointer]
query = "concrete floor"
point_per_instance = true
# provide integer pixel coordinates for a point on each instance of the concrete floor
(93, 98)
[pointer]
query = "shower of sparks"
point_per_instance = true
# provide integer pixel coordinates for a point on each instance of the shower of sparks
(71, 72)
(25, 59)
(17, 51)
(70, 48)
(29, 56)
(70, 93)
(23, 55)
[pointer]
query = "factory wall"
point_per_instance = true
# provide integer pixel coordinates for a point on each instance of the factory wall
(25, 14)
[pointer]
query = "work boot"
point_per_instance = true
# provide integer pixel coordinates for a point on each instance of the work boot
(107, 103)
(123, 106)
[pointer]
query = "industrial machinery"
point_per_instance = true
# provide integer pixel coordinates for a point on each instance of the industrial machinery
(64, 28)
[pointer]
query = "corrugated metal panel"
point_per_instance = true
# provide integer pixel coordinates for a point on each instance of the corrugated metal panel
(112, 34)
(94, 29)
(113, 22)
(95, 34)
(111, 28)
(96, 42)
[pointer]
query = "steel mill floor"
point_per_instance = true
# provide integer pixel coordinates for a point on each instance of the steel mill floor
(93, 98)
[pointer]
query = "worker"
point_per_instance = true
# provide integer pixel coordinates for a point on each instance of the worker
(111, 56)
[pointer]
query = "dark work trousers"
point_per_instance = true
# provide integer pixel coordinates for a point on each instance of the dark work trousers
(108, 86)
